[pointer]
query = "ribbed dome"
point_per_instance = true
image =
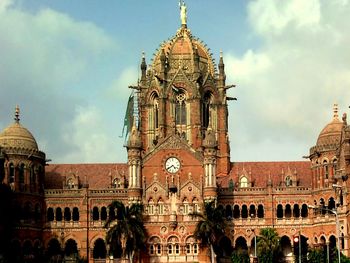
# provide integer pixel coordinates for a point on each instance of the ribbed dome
(184, 50)
(331, 133)
(17, 136)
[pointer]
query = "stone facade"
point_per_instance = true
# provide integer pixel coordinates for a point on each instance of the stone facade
(178, 157)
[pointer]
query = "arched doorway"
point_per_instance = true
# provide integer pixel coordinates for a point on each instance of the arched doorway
(225, 247)
(99, 251)
(54, 251)
(71, 251)
(286, 247)
(240, 251)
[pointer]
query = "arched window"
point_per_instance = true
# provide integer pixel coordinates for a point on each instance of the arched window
(185, 206)
(180, 109)
(252, 211)
(244, 211)
(71, 249)
(289, 181)
(67, 214)
(206, 109)
(296, 210)
(304, 211)
(31, 175)
(155, 247)
(50, 214)
(103, 213)
(279, 211)
(75, 214)
(58, 214)
(37, 213)
(288, 211)
(111, 213)
(100, 250)
(325, 169)
(173, 246)
(236, 212)
(95, 214)
(331, 203)
(12, 173)
(160, 207)
(243, 182)
(21, 173)
(260, 211)
(150, 207)
(191, 246)
(228, 212)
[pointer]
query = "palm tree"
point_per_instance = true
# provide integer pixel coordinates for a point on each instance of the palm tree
(210, 227)
(269, 246)
(127, 229)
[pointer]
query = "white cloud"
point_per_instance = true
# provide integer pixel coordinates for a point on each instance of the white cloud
(46, 63)
(87, 134)
(119, 86)
(287, 87)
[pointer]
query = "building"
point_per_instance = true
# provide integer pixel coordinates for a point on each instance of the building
(178, 156)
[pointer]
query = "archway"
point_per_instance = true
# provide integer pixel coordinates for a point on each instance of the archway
(225, 247)
(286, 247)
(71, 250)
(99, 249)
(54, 251)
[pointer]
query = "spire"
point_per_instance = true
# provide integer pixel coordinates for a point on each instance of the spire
(221, 64)
(143, 66)
(183, 13)
(17, 114)
(335, 111)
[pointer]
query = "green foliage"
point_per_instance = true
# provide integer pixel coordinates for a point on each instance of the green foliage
(240, 256)
(211, 225)
(269, 246)
(127, 229)
(316, 255)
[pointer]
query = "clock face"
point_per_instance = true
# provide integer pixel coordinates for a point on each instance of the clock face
(172, 165)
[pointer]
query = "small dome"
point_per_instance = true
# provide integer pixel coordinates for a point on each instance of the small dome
(332, 132)
(16, 135)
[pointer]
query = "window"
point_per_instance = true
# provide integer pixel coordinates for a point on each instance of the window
(289, 181)
(180, 109)
(243, 182)
(191, 246)
(95, 214)
(155, 247)
(103, 213)
(58, 214)
(150, 207)
(21, 173)
(67, 214)
(70, 184)
(12, 173)
(50, 214)
(173, 246)
(75, 214)
(160, 207)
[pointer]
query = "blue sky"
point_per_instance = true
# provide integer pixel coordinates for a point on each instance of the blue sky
(68, 65)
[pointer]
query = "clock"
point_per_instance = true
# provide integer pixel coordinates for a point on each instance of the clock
(172, 165)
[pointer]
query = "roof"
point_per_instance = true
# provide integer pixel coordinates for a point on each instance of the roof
(261, 172)
(96, 175)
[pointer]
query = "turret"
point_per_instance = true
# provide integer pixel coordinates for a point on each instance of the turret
(134, 147)
(210, 151)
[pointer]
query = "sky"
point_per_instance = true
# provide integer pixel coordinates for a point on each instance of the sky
(68, 65)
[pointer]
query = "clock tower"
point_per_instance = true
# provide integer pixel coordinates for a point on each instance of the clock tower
(182, 142)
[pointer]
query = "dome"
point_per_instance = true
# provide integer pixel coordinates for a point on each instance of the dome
(17, 136)
(332, 132)
(184, 50)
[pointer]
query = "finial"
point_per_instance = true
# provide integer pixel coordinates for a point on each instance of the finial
(335, 111)
(221, 54)
(17, 114)
(183, 13)
(143, 54)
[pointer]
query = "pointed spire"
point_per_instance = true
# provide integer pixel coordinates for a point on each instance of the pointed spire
(335, 111)
(143, 67)
(221, 64)
(17, 114)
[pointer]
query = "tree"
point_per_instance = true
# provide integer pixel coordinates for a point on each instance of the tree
(210, 227)
(240, 257)
(269, 246)
(316, 255)
(127, 229)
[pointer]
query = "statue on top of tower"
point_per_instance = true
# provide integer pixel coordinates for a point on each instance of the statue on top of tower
(183, 12)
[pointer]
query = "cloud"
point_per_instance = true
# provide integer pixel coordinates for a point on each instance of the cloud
(87, 135)
(287, 86)
(45, 67)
